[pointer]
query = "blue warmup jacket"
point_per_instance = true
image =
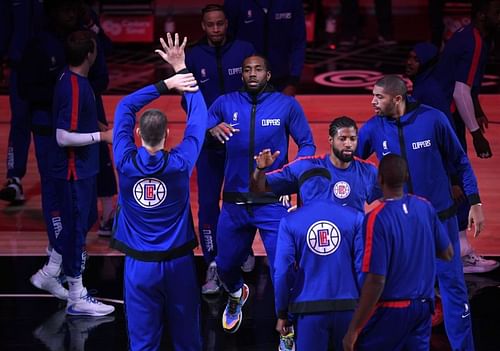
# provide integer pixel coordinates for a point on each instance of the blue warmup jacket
(352, 186)
(323, 240)
(218, 69)
(425, 138)
(265, 121)
(153, 220)
(279, 34)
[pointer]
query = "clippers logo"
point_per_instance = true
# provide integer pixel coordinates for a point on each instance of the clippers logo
(421, 144)
(323, 238)
(283, 15)
(150, 192)
(341, 190)
(235, 70)
(271, 122)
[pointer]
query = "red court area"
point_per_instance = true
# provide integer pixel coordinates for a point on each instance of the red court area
(22, 228)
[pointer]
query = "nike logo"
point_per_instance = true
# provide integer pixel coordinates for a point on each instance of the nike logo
(386, 153)
(249, 21)
(204, 80)
(233, 124)
(466, 311)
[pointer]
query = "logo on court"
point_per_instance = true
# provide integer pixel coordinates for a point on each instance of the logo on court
(341, 189)
(323, 238)
(150, 192)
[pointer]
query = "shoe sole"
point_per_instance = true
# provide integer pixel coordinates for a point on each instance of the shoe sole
(72, 312)
(480, 269)
(240, 317)
(210, 292)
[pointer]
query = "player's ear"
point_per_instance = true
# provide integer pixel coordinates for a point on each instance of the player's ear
(167, 132)
(330, 140)
(138, 131)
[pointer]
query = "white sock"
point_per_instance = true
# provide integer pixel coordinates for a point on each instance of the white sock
(237, 293)
(53, 267)
(465, 248)
(107, 207)
(75, 287)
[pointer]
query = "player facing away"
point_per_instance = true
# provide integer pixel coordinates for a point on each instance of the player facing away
(402, 237)
(315, 267)
(153, 225)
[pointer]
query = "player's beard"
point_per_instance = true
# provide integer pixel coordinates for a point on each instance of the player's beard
(341, 156)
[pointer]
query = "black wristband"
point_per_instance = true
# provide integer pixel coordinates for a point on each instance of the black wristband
(260, 168)
(182, 71)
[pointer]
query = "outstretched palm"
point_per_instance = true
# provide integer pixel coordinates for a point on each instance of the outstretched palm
(172, 52)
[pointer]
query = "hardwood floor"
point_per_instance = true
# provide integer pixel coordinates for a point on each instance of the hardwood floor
(22, 229)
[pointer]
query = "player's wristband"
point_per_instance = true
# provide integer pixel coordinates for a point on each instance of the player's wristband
(260, 168)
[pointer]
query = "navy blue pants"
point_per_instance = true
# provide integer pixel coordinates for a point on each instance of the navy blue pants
(210, 175)
(106, 178)
(398, 328)
(20, 131)
(313, 331)
(159, 291)
(77, 203)
(456, 310)
(237, 227)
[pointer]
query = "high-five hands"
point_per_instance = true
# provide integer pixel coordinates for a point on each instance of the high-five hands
(173, 53)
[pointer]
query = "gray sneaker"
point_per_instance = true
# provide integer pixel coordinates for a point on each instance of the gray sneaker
(477, 264)
(46, 282)
(212, 284)
(87, 305)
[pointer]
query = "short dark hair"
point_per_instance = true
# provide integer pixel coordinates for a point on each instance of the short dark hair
(78, 45)
(393, 85)
(393, 171)
(152, 125)
(341, 122)
(212, 7)
(266, 61)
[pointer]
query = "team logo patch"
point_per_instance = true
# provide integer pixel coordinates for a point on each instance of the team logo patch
(323, 238)
(150, 192)
(341, 189)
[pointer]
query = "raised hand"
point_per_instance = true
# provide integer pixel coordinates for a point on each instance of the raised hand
(265, 158)
(172, 52)
(182, 82)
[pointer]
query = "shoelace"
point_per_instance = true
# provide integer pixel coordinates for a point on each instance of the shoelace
(91, 299)
(234, 303)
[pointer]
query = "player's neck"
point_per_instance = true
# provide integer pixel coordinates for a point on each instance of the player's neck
(338, 163)
(82, 70)
(390, 194)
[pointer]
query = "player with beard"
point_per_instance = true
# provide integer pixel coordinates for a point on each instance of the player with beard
(215, 61)
(251, 119)
(353, 181)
